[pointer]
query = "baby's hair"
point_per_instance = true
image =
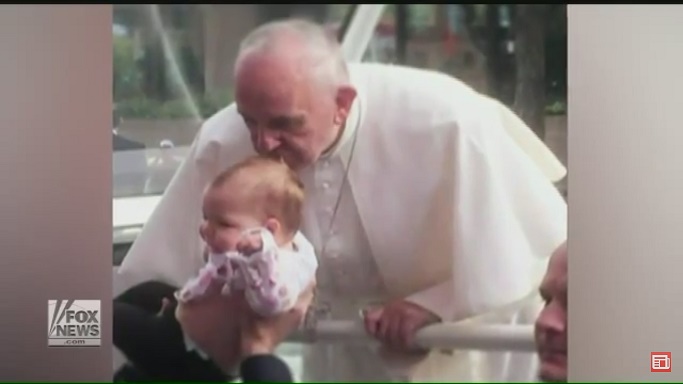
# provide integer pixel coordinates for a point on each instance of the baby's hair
(268, 186)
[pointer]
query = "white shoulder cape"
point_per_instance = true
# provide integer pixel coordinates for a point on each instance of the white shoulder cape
(454, 191)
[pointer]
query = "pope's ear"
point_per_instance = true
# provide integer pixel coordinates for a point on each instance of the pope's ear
(346, 94)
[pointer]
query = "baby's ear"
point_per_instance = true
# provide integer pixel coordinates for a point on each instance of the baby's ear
(273, 226)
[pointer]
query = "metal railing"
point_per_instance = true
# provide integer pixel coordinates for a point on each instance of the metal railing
(517, 338)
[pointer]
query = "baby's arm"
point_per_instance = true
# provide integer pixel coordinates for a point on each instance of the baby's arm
(216, 268)
(288, 275)
(197, 285)
(276, 277)
(269, 299)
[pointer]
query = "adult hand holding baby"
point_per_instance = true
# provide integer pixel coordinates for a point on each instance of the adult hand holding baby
(261, 335)
(212, 323)
(228, 330)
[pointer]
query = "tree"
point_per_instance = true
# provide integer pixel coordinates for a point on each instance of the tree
(127, 77)
(556, 54)
(537, 70)
(490, 36)
(530, 87)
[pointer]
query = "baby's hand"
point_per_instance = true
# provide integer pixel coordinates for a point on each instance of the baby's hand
(249, 244)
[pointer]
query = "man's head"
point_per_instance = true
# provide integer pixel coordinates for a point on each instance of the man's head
(292, 90)
(257, 192)
(551, 325)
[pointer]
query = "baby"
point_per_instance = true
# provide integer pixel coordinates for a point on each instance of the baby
(252, 213)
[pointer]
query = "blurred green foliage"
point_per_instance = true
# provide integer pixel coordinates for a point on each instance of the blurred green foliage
(132, 103)
(556, 108)
(127, 76)
(134, 97)
(181, 108)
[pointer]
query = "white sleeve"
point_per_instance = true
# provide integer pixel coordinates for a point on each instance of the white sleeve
(506, 218)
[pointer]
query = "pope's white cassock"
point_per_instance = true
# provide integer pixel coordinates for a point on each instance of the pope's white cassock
(435, 193)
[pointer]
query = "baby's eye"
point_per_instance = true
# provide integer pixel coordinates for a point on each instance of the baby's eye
(226, 225)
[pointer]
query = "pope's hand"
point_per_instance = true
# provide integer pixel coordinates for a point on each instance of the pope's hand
(396, 324)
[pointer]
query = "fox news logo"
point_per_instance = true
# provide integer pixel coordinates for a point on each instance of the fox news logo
(73, 323)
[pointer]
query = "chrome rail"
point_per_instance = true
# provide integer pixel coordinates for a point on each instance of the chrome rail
(487, 337)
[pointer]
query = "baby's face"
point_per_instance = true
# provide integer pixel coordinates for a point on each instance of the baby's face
(224, 220)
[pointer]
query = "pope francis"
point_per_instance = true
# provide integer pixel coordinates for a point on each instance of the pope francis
(426, 201)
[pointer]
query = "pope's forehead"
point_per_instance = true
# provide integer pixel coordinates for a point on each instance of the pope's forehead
(272, 95)
(268, 64)
(265, 77)
(288, 64)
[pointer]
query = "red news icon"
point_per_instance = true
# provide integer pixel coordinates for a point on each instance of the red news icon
(660, 361)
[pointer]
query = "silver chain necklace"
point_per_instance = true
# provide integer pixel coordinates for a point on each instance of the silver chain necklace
(320, 309)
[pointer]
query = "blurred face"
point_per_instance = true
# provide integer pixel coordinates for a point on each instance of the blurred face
(288, 114)
(551, 325)
(224, 220)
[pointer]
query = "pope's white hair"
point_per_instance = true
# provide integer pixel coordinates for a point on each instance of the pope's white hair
(322, 55)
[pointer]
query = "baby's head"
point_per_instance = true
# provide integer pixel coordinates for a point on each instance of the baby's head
(257, 192)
